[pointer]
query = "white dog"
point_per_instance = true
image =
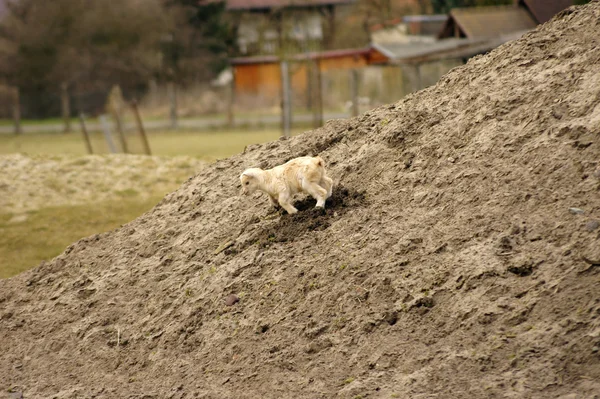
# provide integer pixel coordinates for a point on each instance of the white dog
(304, 174)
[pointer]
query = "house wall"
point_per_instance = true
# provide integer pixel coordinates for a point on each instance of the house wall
(301, 30)
(380, 84)
(257, 79)
(259, 84)
(348, 62)
(264, 79)
(377, 58)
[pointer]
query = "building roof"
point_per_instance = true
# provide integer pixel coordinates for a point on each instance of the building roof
(453, 48)
(428, 25)
(265, 59)
(544, 10)
(425, 18)
(482, 22)
(269, 4)
(399, 51)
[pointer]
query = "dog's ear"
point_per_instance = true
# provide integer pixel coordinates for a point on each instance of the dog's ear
(249, 173)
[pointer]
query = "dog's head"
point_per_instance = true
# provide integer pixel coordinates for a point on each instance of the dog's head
(249, 180)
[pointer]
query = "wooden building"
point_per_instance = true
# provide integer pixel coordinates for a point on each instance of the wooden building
(254, 75)
(285, 26)
(484, 22)
(466, 32)
(495, 21)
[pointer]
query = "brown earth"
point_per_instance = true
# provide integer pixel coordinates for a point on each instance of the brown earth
(448, 265)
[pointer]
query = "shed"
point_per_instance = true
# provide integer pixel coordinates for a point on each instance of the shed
(262, 74)
(452, 48)
(487, 22)
(420, 57)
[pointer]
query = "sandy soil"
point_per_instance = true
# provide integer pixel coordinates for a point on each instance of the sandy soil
(458, 258)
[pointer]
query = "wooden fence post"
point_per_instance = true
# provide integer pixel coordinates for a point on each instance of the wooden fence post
(65, 107)
(318, 95)
(286, 106)
(309, 84)
(231, 101)
(17, 110)
(140, 125)
(172, 94)
(107, 135)
(354, 91)
(417, 77)
(120, 130)
(86, 136)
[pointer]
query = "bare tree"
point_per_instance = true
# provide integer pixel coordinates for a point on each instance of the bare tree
(77, 43)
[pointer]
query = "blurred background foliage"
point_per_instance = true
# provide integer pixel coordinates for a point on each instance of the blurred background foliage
(90, 46)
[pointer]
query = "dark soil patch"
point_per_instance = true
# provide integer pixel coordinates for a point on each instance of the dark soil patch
(521, 270)
(292, 227)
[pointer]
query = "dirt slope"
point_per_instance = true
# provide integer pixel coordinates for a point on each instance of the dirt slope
(448, 265)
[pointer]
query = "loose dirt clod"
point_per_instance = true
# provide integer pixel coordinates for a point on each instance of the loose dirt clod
(592, 225)
(231, 299)
(450, 267)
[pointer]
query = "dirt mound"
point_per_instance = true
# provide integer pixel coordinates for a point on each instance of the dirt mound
(456, 269)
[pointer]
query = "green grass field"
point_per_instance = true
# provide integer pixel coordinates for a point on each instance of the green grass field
(48, 231)
(204, 145)
(26, 240)
(29, 122)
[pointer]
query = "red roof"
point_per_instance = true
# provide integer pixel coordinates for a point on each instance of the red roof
(265, 59)
(267, 4)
